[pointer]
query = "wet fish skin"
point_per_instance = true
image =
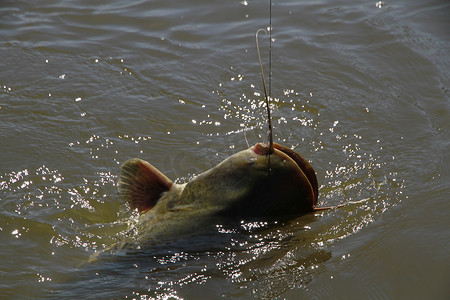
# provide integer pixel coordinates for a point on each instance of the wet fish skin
(250, 183)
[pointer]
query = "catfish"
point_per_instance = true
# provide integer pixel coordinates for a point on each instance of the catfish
(251, 184)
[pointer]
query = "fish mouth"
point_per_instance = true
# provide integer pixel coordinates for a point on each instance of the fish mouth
(299, 160)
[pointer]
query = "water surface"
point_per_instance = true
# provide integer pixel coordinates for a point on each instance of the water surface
(360, 89)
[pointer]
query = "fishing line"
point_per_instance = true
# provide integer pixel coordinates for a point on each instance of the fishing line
(265, 92)
(270, 48)
(267, 95)
(271, 149)
(245, 136)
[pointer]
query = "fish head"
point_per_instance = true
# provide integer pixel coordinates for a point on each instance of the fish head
(255, 182)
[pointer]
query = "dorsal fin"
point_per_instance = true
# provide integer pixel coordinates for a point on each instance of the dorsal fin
(141, 184)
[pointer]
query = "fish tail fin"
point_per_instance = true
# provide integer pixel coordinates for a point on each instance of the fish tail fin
(141, 184)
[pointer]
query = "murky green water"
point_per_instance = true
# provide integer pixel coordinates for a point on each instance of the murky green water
(361, 90)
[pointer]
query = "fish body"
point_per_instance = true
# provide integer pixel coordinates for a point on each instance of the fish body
(249, 184)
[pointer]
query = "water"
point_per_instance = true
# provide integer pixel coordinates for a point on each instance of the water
(361, 90)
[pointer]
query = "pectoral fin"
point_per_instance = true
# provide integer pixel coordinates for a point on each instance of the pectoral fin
(141, 184)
